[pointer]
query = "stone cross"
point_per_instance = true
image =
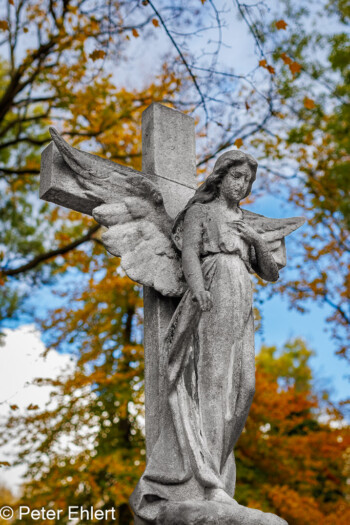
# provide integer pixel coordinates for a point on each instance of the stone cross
(168, 159)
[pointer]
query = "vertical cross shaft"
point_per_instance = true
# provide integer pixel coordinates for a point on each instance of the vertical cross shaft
(168, 151)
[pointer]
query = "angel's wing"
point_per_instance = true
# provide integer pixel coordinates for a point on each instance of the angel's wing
(131, 207)
(274, 231)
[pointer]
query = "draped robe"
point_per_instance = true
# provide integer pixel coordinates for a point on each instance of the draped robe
(208, 369)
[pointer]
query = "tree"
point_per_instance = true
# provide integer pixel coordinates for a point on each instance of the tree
(291, 458)
(7, 498)
(86, 446)
(309, 138)
(291, 110)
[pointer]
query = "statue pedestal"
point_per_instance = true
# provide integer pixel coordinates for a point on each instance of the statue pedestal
(213, 513)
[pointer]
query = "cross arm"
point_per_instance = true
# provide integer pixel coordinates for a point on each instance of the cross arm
(59, 183)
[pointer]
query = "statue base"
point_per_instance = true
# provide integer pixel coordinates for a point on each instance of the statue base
(211, 513)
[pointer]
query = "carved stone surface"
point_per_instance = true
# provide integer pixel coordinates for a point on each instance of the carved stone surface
(168, 155)
(211, 513)
(199, 351)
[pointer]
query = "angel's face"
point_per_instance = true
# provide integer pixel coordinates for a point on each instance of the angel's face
(236, 183)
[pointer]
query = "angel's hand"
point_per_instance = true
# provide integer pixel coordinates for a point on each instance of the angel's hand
(249, 234)
(204, 299)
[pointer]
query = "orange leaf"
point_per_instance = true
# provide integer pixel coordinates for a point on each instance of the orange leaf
(145, 2)
(5, 464)
(14, 407)
(97, 54)
(286, 59)
(247, 106)
(25, 30)
(155, 22)
(281, 24)
(294, 67)
(4, 25)
(238, 143)
(309, 103)
(32, 407)
(135, 33)
(269, 68)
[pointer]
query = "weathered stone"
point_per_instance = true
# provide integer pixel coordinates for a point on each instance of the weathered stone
(212, 513)
(58, 183)
(169, 154)
(199, 351)
(168, 151)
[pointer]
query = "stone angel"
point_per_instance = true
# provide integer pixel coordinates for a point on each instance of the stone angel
(205, 258)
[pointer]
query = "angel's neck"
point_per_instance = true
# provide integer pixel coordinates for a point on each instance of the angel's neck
(231, 205)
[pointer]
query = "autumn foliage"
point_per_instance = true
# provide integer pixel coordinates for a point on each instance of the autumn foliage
(291, 456)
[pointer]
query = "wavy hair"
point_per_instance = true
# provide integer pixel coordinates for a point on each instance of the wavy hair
(210, 189)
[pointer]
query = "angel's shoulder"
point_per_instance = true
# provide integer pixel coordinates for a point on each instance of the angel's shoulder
(196, 213)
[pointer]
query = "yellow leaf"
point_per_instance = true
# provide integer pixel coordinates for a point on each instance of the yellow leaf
(309, 103)
(135, 33)
(4, 25)
(25, 30)
(155, 22)
(5, 464)
(238, 143)
(281, 24)
(97, 54)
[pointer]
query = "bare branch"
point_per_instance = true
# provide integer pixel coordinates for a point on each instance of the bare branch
(184, 61)
(52, 253)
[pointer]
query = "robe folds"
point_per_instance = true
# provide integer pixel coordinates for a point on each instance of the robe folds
(208, 368)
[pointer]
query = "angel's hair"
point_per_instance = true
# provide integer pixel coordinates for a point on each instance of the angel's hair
(210, 189)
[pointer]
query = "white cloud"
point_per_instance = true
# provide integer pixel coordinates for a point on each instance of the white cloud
(22, 361)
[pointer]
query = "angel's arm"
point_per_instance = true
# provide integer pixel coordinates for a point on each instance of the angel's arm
(263, 262)
(192, 239)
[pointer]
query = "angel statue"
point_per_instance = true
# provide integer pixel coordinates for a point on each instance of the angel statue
(205, 257)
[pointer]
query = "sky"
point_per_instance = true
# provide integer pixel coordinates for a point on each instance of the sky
(21, 361)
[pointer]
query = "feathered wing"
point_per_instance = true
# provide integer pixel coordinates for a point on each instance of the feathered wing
(132, 209)
(274, 231)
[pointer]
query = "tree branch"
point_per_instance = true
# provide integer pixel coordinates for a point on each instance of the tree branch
(184, 61)
(52, 253)
(19, 171)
